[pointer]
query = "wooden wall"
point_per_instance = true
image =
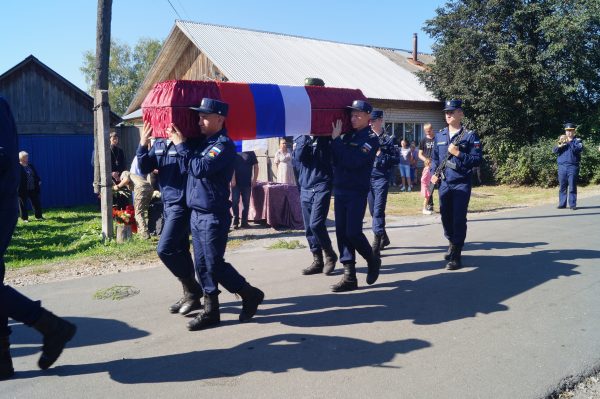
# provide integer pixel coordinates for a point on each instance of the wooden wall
(43, 104)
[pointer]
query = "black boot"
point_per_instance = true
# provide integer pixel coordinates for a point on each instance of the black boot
(210, 316)
(448, 254)
(192, 292)
(376, 245)
(455, 262)
(236, 223)
(6, 366)
(374, 264)
(317, 266)
(348, 281)
(330, 260)
(385, 241)
(57, 332)
(251, 298)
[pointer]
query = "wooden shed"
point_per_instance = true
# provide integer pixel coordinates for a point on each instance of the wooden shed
(55, 123)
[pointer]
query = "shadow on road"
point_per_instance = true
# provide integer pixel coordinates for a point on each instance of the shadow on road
(481, 287)
(275, 354)
(90, 331)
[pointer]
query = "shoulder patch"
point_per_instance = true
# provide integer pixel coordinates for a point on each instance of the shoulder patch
(366, 147)
(215, 151)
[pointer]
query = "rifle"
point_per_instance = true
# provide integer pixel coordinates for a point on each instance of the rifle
(441, 169)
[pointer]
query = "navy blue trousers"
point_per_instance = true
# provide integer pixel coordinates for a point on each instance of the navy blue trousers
(567, 178)
(349, 213)
(377, 199)
(12, 303)
(315, 206)
(209, 235)
(454, 201)
(174, 244)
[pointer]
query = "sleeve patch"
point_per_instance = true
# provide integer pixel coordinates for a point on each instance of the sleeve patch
(214, 152)
(366, 147)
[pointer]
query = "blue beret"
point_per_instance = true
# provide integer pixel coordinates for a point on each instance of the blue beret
(359, 105)
(451, 105)
(211, 106)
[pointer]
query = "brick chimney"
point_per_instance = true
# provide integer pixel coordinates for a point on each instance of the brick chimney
(414, 52)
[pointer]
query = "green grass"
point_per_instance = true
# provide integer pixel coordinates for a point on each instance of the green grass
(116, 292)
(285, 244)
(483, 199)
(68, 234)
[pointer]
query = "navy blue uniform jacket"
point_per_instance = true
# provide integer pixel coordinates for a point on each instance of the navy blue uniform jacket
(10, 169)
(210, 170)
(388, 158)
(313, 162)
(469, 157)
(170, 160)
(570, 153)
(353, 157)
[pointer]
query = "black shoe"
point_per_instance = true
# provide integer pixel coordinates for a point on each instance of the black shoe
(251, 298)
(244, 225)
(57, 332)
(209, 317)
(376, 245)
(348, 281)
(192, 292)
(385, 240)
(6, 366)
(40, 218)
(560, 207)
(374, 264)
(317, 266)
(455, 262)
(448, 254)
(573, 208)
(331, 259)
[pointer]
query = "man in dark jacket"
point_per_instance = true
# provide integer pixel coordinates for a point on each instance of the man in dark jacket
(210, 169)
(569, 155)
(29, 188)
(56, 331)
(353, 157)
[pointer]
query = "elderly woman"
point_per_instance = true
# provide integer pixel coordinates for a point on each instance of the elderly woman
(29, 189)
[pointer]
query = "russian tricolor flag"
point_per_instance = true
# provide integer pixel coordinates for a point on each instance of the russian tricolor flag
(256, 110)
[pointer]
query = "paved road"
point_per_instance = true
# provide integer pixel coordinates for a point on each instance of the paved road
(523, 316)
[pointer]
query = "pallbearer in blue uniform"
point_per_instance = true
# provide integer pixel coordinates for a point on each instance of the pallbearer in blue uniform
(210, 169)
(386, 159)
(174, 245)
(455, 183)
(353, 157)
(312, 162)
(55, 330)
(569, 155)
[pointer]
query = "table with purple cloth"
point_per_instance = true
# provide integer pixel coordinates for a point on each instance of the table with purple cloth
(276, 203)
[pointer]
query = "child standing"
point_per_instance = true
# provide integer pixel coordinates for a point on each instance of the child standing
(425, 180)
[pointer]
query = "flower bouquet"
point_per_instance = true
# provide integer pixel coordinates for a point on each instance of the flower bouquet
(125, 221)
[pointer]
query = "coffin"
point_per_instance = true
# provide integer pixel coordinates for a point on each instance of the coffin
(256, 110)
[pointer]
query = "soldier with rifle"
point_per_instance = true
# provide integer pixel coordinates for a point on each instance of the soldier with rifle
(456, 151)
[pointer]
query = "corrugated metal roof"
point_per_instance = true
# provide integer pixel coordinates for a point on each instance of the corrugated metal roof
(263, 57)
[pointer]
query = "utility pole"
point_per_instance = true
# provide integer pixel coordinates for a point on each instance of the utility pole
(102, 166)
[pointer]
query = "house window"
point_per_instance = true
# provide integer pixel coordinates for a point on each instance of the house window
(411, 131)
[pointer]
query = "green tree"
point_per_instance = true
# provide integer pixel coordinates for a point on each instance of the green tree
(127, 70)
(522, 67)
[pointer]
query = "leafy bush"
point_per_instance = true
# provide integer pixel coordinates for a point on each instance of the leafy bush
(536, 164)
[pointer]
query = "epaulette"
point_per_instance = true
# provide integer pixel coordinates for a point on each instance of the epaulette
(372, 135)
(223, 139)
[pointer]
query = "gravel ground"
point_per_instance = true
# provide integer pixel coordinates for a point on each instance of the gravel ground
(589, 388)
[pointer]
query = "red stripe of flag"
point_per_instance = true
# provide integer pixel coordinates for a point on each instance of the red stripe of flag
(241, 119)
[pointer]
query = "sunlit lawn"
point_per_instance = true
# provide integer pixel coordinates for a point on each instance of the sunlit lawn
(75, 234)
(68, 234)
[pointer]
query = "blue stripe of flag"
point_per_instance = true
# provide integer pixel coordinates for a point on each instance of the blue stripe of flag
(270, 110)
